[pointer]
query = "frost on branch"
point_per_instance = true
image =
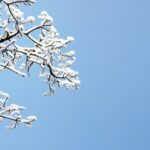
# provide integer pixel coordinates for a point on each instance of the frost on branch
(47, 49)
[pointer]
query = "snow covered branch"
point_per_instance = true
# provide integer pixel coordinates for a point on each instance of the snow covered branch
(13, 112)
(47, 50)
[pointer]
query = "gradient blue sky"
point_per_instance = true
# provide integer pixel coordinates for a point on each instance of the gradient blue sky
(111, 110)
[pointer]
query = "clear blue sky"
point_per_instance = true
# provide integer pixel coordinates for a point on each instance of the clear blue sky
(111, 110)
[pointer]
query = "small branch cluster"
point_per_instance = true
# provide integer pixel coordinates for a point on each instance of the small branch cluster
(47, 50)
(13, 112)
